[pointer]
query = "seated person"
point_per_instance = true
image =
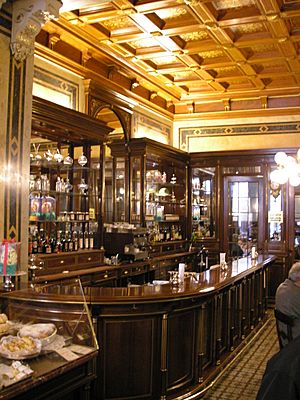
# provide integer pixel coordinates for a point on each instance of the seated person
(287, 298)
(281, 378)
(236, 250)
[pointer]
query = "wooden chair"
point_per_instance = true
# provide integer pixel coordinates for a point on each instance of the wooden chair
(284, 330)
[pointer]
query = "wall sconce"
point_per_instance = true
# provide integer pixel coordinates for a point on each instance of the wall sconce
(288, 169)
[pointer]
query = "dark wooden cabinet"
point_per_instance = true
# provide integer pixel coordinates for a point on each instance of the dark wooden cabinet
(66, 199)
(245, 209)
(158, 187)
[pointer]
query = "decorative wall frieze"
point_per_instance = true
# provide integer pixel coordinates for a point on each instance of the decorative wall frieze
(236, 130)
(28, 18)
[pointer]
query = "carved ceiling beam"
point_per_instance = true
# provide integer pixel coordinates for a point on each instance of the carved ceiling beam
(257, 82)
(28, 18)
(278, 28)
(287, 48)
(269, 6)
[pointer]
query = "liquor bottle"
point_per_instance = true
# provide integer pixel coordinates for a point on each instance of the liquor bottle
(81, 240)
(69, 241)
(58, 242)
(91, 239)
(53, 244)
(58, 185)
(64, 243)
(35, 242)
(86, 239)
(75, 240)
(40, 241)
(167, 235)
(46, 246)
(161, 235)
(30, 240)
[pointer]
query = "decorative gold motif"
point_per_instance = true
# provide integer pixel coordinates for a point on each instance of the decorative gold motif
(164, 60)
(28, 18)
(223, 4)
(2, 2)
(211, 54)
(183, 74)
(143, 43)
(171, 13)
(263, 48)
(117, 23)
(249, 28)
(192, 36)
(230, 70)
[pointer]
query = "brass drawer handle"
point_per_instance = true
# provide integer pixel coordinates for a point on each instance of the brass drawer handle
(105, 276)
(62, 262)
(125, 272)
(89, 259)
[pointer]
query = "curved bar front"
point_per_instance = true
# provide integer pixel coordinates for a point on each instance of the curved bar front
(169, 341)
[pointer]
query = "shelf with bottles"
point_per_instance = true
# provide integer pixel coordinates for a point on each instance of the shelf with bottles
(68, 237)
(203, 202)
(164, 231)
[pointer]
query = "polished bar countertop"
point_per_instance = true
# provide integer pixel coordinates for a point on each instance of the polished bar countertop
(195, 284)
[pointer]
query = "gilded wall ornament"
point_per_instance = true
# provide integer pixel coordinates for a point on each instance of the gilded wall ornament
(28, 18)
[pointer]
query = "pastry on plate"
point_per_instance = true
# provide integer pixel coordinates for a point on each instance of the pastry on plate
(18, 348)
(42, 331)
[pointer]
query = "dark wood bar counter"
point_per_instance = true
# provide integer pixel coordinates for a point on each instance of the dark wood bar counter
(166, 341)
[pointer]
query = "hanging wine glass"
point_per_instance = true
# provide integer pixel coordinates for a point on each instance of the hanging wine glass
(82, 160)
(48, 155)
(68, 160)
(36, 155)
(58, 156)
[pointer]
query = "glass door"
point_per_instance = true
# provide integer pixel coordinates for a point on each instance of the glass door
(243, 207)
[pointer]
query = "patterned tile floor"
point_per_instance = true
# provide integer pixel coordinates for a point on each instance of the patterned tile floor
(242, 380)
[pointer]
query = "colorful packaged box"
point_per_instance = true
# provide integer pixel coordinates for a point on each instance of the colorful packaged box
(9, 257)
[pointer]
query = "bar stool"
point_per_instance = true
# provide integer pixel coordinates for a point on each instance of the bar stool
(284, 325)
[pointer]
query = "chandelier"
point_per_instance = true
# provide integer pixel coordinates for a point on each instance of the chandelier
(288, 169)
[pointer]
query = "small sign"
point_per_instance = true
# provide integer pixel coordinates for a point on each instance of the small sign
(92, 213)
(275, 216)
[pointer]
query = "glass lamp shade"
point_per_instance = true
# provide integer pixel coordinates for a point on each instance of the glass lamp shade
(294, 180)
(279, 176)
(280, 158)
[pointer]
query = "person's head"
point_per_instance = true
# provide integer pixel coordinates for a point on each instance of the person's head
(294, 272)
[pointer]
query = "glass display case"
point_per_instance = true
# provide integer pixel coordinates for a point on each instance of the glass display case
(158, 190)
(46, 331)
(116, 183)
(203, 202)
(64, 191)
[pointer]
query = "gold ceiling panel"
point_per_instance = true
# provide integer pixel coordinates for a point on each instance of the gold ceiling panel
(192, 36)
(229, 4)
(193, 49)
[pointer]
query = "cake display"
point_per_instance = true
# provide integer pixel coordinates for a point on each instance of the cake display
(42, 331)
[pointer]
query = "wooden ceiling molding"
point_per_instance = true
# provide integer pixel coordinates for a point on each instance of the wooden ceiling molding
(184, 51)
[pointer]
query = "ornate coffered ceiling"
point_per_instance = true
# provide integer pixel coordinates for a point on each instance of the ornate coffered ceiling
(185, 56)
